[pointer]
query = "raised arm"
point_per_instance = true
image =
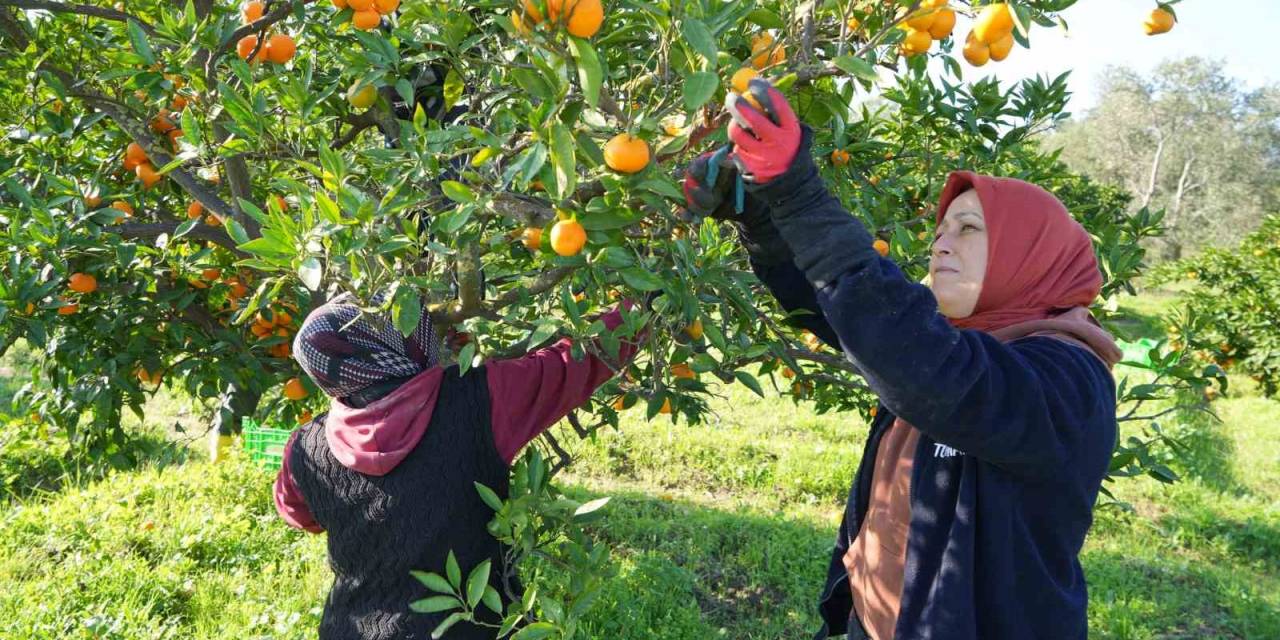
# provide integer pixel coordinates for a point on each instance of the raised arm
(1012, 405)
(533, 392)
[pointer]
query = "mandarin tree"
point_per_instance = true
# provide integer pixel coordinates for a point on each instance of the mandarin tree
(510, 166)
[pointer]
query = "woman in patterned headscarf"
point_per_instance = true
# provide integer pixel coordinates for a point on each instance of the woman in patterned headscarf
(389, 472)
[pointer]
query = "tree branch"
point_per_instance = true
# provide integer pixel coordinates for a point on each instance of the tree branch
(147, 231)
(454, 313)
(359, 123)
(276, 14)
(136, 130)
(82, 9)
(824, 359)
(527, 210)
(16, 31)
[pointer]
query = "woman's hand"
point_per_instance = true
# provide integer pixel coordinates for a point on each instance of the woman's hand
(764, 145)
(704, 198)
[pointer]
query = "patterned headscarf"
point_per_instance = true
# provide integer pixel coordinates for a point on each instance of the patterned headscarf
(346, 350)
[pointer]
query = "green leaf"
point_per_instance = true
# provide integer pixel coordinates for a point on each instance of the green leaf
(590, 75)
(856, 67)
(453, 570)
(564, 159)
(458, 192)
(435, 604)
(310, 272)
(616, 257)
(641, 279)
(750, 381)
(433, 581)
(266, 247)
(699, 86)
(700, 38)
(541, 333)
(608, 219)
(466, 356)
(443, 627)
(451, 221)
(452, 88)
(492, 599)
(490, 498)
(405, 90)
(186, 227)
(1162, 473)
(138, 38)
(509, 623)
(663, 186)
(1022, 19)
(476, 583)
(235, 230)
(585, 511)
(250, 209)
(532, 83)
(765, 18)
(407, 309)
(536, 631)
(328, 209)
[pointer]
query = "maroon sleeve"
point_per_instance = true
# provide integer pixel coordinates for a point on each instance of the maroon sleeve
(289, 502)
(531, 393)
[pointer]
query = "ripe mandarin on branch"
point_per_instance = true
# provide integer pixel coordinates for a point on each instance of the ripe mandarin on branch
(995, 21)
(1159, 21)
(294, 390)
(82, 283)
(568, 237)
(626, 153)
(280, 48)
(366, 20)
(1000, 48)
(976, 52)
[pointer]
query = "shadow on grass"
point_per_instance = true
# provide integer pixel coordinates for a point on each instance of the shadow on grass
(699, 572)
(1208, 453)
(1253, 538)
(1131, 596)
(1133, 324)
(32, 464)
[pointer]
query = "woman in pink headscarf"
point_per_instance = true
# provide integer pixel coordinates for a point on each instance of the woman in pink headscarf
(997, 416)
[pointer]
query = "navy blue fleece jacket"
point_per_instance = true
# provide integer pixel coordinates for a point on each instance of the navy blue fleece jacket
(1015, 438)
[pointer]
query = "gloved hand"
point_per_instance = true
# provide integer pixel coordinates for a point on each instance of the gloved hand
(703, 200)
(764, 143)
(755, 227)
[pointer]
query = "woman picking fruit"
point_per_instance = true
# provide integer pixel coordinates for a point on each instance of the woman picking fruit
(390, 470)
(997, 405)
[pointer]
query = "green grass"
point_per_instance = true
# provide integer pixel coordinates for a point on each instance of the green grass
(718, 530)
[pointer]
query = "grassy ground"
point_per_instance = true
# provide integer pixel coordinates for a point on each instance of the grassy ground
(720, 530)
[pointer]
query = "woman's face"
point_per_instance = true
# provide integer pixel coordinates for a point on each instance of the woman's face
(958, 261)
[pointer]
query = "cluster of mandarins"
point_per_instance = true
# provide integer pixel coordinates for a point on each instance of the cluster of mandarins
(278, 48)
(275, 322)
(79, 283)
(135, 159)
(580, 18)
(992, 35)
(932, 21)
(624, 153)
(367, 14)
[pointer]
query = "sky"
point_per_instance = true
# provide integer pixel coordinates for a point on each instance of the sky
(1109, 32)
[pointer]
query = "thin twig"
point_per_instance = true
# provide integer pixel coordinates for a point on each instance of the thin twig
(83, 9)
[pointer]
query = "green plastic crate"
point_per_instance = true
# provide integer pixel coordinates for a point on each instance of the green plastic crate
(265, 444)
(1138, 351)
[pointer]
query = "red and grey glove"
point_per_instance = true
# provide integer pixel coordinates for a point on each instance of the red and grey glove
(764, 143)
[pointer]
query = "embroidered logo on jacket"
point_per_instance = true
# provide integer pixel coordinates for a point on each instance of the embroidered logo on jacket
(943, 451)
